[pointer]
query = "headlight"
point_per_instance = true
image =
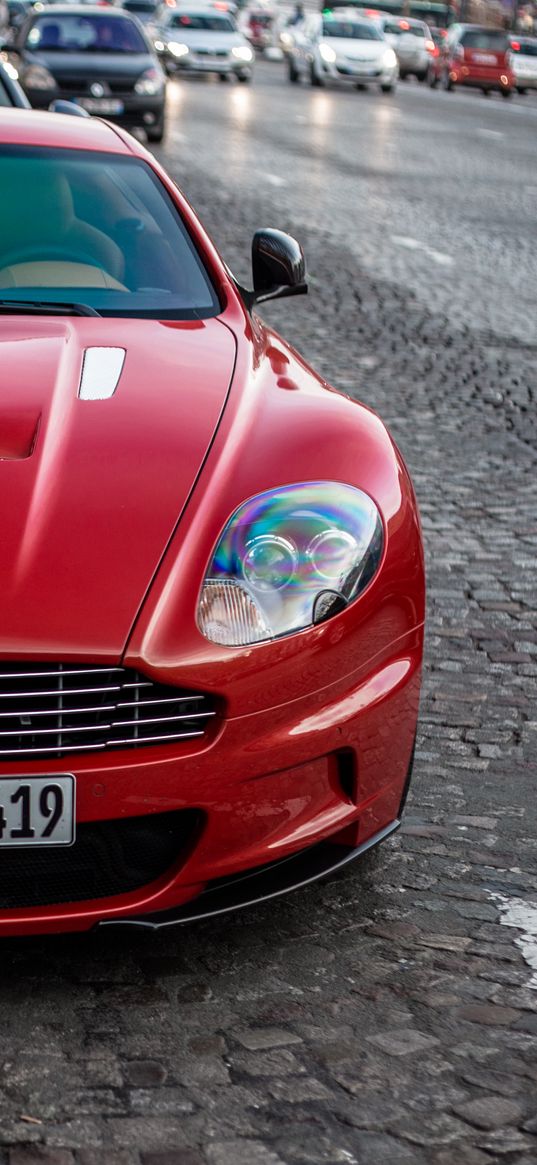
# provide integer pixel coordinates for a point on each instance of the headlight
(176, 49)
(242, 53)
(150, 83)
(288, 559)
(389, 59)
(37, 77)
(327, 53)
(11, 70)
(159, 45)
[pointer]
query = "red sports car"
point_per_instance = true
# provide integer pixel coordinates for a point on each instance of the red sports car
(211, 573)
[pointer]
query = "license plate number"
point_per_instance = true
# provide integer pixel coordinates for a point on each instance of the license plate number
(100, 105)
(484, 59)
(37, 811)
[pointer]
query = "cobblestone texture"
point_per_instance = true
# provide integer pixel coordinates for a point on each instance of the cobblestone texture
(385, 1015)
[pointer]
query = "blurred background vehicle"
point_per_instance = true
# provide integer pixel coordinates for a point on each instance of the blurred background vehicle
(429, 11)
(98, 57)
(342, 47)
(203, 40)
(477, 56)
(145, 10)
(412, 42)
(11, 93)
(258, 25)
(523, 62)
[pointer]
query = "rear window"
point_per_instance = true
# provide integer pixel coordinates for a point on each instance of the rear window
(402, 27)
(91, 33)
(97, 229)
(486, 38)
(527, 48)
(350, 30)
(209, 23)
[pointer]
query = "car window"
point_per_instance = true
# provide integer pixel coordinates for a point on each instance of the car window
(350, 30)
(5, 99)
(526, 49)
(195, 20)
(87, 33)
(99, 229)
(484, 38)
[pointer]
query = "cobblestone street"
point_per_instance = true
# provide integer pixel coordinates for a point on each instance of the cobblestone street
(387, 1015)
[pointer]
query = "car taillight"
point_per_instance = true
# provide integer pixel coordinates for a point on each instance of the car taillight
(515, 45)
(430, 46)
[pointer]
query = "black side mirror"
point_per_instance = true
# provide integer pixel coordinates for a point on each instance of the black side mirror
(278, 267)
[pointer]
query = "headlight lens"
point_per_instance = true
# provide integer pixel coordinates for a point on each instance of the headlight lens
(389, 59)
(150, 83)
(327, 53)
(177, 49)
(242, 53)
(37, 77)
(287, 559)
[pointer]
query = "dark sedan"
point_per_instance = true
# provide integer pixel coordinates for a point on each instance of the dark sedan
(99, 58)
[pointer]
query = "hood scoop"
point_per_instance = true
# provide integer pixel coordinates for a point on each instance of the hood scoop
(101, 370)
(18, 434)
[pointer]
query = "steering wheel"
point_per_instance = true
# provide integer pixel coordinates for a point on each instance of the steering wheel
(43, 252)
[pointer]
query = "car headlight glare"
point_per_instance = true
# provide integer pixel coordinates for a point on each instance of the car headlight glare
(38, 77)
(287, 559)
(177, 49)
(389, 59)
(150, 83)
(242, 53)
(327, 53)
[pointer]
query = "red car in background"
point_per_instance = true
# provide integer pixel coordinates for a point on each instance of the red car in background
(474, 56)
(212, 581)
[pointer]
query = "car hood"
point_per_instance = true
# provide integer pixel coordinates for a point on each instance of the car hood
(94, 66)
(356, 50)
(93, 488)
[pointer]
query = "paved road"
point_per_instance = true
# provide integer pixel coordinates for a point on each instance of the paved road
(389, 1015)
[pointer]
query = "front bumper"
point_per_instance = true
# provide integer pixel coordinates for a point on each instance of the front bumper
(136, 111)
(342, 70)
(226, 66)
(265, 786)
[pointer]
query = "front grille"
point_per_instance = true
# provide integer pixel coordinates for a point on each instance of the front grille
(107, 858)
(52, 710)
(81, 86)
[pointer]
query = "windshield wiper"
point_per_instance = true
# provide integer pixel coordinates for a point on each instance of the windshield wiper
(44, 308)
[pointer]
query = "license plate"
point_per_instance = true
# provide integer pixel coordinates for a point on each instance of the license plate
(37, 811)
(484, 59)
(100, 105)
(358, 67)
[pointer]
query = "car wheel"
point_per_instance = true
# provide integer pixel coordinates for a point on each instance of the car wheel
(155, 133)
(521, 90)
(244, 78)
(486, 92)
(421, 77)
(387, 88)
(403, 76)
(315, 79)
(506, 93)
(432, 79)
(294, 75)
(223, 77)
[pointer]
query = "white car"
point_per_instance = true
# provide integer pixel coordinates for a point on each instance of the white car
(412, 41)
(523, 61)
(192, 39)
(340, 46)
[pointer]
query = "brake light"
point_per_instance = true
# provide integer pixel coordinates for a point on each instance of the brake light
(515, 45)
(430, 46)
(404, 24)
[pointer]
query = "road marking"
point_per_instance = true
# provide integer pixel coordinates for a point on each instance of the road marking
(489, 133)
(274, 179)
(522, 915)
(411, 244)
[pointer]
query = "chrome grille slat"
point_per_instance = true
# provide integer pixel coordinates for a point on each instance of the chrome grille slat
(61, 719)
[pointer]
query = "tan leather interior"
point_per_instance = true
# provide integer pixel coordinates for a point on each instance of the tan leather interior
(57, 273)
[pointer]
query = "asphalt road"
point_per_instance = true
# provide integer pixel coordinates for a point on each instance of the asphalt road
(388, 1015)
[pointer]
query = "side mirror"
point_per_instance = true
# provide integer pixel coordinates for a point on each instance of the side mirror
(278, 267)
(71, 107)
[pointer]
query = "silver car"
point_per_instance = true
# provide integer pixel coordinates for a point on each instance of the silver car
(413, 43)
(339, 46)
(203, 40)
(523, 61)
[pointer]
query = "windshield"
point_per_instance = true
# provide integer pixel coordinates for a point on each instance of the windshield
(350, 30)
(91, 33)
(485, 38)
(97, 229)
(209, 23)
